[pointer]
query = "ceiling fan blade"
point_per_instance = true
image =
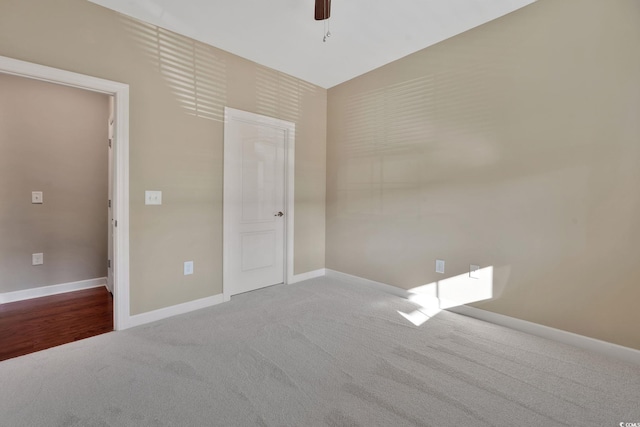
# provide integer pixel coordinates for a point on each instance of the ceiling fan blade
(323, 9)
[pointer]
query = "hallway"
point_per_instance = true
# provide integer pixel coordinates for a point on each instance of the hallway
(36, 324)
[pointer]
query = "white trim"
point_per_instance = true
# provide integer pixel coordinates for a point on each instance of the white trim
(45, 291)
(174, 310)
(290, 159)
(591, 344)
(120, 92)
(121, 308)
(306, 276)
(383, 287)
(290, 129)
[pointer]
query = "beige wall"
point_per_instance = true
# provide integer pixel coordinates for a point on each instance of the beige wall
(515, 145)
(173, 147)
(52, 139)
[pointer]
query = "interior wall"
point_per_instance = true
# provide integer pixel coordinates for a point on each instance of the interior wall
(513, 146)
(53, 139)
(178, 90)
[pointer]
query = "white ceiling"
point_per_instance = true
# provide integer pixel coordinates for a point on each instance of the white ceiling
(282, 34)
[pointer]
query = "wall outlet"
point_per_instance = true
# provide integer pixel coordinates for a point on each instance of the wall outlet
(440, 266)
(37, 259)
(36, 197)
(152, 197)
(188, 268)
(474, 271)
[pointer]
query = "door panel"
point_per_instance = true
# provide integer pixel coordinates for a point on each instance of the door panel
(257, 250)
(254, 205)
(261, 193)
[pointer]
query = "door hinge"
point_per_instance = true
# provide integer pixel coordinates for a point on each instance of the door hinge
(109, 203)
(108, 263)
(116, 223)
(109, 142)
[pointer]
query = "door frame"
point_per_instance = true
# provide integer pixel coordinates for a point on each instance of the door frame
(120, 181)
(289, 178)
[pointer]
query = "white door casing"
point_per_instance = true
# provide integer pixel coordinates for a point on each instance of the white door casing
(258, 202)
(120, 202)
(110, 219)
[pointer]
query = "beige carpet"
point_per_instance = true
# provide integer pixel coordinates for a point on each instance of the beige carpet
(319, 353)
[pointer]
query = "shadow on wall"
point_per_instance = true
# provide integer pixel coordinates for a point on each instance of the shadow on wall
(196, 75)
(440, 166)
(451, 292)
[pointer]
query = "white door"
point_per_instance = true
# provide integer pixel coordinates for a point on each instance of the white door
(255, 148)
(110, 260)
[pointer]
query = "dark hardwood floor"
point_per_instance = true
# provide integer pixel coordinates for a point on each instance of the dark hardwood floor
(40, 323)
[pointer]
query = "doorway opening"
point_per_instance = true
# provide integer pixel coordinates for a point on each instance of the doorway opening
(119, 172)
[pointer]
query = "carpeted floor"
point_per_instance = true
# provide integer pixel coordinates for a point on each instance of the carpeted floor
(319, 353)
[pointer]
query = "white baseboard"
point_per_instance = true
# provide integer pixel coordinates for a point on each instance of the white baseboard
(591, 344)
(597, 346)
(308, 275)
(389, 289)
(45, 291)
(174, 310)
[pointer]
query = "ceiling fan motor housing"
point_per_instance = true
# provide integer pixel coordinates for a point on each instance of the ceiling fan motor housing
(323, 10)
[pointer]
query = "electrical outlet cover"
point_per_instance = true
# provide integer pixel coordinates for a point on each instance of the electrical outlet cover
(440, 266)
(36, 197)
(188, 268)
(37, 259)
(474, 271)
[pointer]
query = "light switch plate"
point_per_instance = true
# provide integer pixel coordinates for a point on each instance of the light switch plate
(36, 197)
(37, 259)
(188, 268)
(440, 266)
(153, 197)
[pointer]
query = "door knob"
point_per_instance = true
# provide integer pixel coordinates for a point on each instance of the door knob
(279, 214)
